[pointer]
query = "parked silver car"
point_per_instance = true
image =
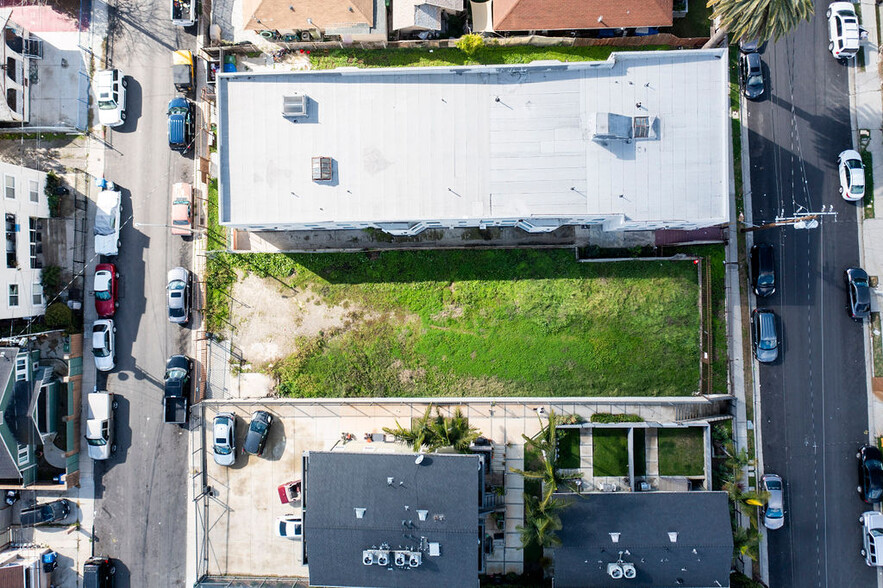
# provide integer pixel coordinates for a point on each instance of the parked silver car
(224, 438)
(178, 290)
(774, 511)
(104, 344)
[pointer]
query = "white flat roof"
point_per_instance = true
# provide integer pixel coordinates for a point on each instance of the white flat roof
(480, 142)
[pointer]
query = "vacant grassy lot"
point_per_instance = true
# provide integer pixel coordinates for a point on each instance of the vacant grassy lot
(681, 452)
(451, 56)
(484, 323)
(610, 452)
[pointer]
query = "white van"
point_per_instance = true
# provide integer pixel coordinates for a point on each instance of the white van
(872, 537)
(110, 86)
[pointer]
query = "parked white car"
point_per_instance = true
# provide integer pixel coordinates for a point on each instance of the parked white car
(110, 86)
(104, 344)
(852, 175)
(107, 223)
(99, 424)
(224, 438)
(843, 30)
(289, 526)
(872, 537)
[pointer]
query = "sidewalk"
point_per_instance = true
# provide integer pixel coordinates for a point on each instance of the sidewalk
(867, 115)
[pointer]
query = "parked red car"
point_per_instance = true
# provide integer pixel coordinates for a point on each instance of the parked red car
(105, 287)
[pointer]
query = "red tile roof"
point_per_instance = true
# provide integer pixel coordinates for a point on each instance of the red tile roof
(537, 15)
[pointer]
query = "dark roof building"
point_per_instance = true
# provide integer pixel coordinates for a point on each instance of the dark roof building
(392, 520)
(660, 539)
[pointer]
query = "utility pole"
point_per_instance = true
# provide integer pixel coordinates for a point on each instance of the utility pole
(803, 219)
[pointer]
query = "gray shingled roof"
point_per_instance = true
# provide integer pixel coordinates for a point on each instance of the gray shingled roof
(701, 555)
(446, 486)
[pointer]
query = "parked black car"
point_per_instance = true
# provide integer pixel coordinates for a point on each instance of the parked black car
(859, 293)
(751, 75)
(41, 514)
(257, 432)
(763, 270)
(98, 573)
(870, 474)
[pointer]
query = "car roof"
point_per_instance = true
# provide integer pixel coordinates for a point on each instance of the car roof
(753, 59)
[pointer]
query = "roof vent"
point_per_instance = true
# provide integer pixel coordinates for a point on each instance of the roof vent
(323, 170)
(382, 558)
(629, 571)
(390, 480)
(614, 537)
(369, 557)
(422, 514)
(415, 559)
(673, 536)
(294, 105)
(360, 513)
(401, 558)
(419, 459)
(614, 570)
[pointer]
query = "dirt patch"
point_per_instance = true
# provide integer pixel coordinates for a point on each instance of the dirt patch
(270, 318)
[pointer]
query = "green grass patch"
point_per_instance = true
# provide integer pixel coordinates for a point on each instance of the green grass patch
(697, 23)
(640, 445)
(877, 344)
(735, 89)
(568, 449)
(610, 452)
(681, 452)
(451, 56)
(868, 161)
(489, 323)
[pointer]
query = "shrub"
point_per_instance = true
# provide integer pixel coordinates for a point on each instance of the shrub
(606, 417)
(54, 199)
(50, 279)
(470, 44)
(58, 316)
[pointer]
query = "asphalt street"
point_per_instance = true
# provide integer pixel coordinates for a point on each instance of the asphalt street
(814, 398)
(141, 492)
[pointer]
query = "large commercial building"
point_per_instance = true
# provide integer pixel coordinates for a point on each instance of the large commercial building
(637, 142)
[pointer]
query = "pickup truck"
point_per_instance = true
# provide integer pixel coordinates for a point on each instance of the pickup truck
(177, 389)
(99, 424)
(183, 12)
(107, 223)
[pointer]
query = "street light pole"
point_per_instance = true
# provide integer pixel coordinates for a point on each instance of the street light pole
(188, 229)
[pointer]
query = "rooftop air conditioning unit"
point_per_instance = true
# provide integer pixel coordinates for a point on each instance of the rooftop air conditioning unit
(629, 571)
(614, 570)
(294, 105)
(382, 558)
(401, 558)
(369, 557)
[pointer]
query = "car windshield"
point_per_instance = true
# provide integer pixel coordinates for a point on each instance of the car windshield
(774, 485)
(755, 81)
(258, 426)
(767, 344)
(178, 110)
(102, 295)
(857, 189)
(181, 222)
(874, 464)
(107, 104)
(877, 532)
(177, 285)
(874, 494)
(853, 164)
(221, 447)
(96, 442)
(774, 513)
(176, 312)
(101, 351)
(176, 373)
(765, 279)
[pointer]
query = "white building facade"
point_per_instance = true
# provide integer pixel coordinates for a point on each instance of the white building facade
(25, 210)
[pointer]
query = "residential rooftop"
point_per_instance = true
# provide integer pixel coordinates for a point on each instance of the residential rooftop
(639, 141)
(669, 539)
(359, 506)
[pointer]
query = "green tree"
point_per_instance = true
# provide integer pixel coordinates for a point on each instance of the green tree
(541, 520)
(758, 19)
(434, 432)
(551, 477)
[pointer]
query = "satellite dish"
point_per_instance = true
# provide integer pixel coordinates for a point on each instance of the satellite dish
(419, 459)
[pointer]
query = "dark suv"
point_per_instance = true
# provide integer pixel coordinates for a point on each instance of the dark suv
(181, 122)
(41, 514)
(859, 293)
(870, 474)
(763, 270)
(98, 573)
(256, 437)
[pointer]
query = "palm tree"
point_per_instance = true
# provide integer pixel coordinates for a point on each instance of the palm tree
(757, 19)
(546, 440)
(541, 520)
(433, 432)
(551, 477)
